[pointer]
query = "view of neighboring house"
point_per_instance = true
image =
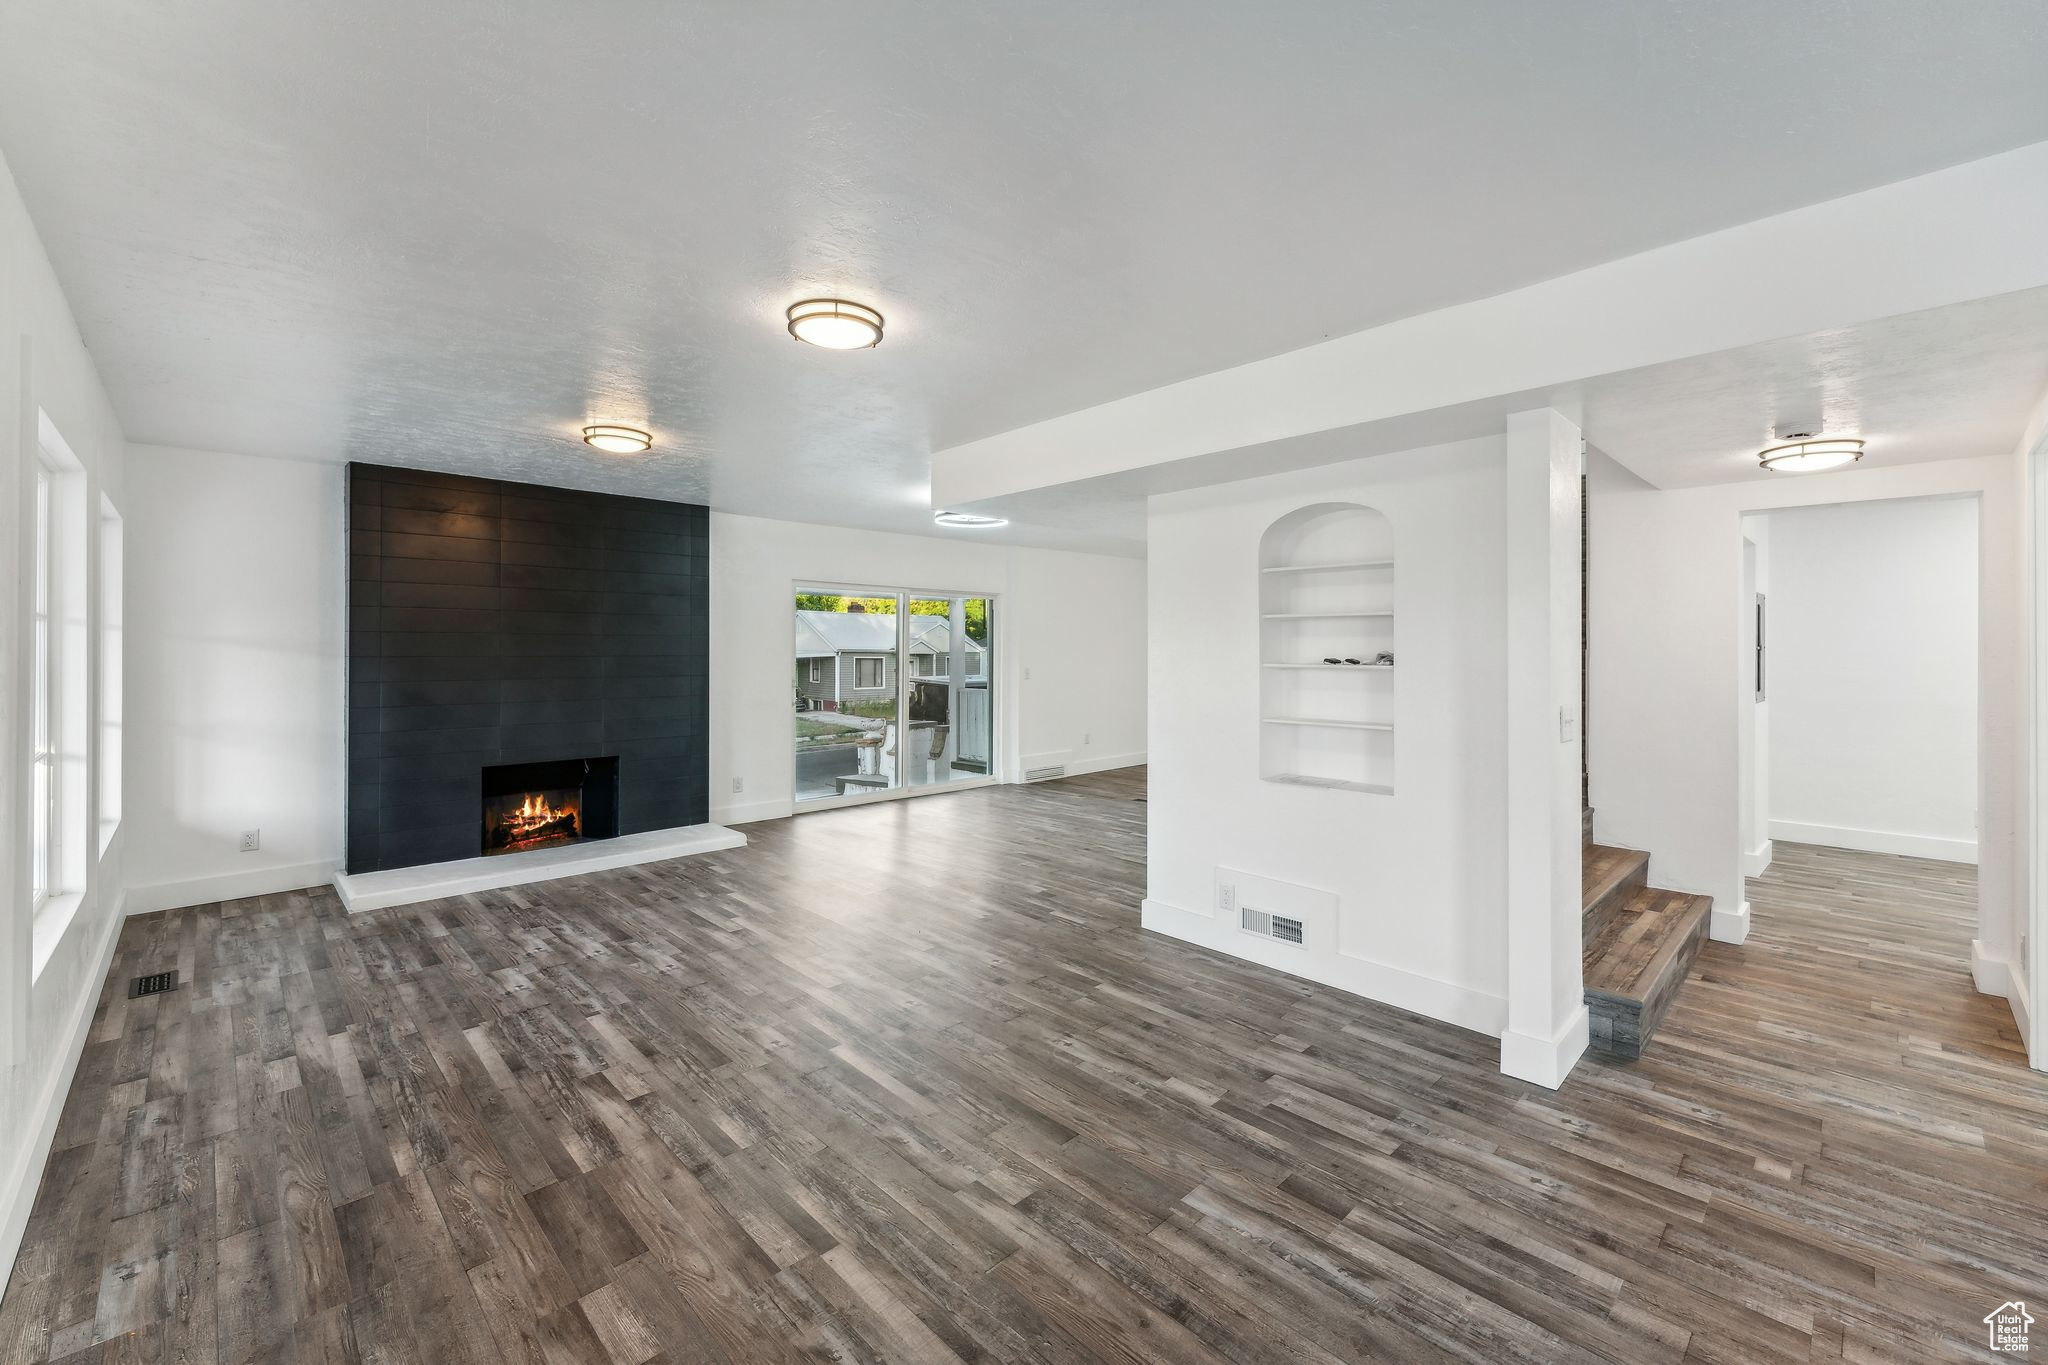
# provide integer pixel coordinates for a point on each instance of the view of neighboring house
(844, 657)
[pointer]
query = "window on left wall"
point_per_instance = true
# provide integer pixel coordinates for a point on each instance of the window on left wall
(44, 826)
(112, 546)
(57, 696)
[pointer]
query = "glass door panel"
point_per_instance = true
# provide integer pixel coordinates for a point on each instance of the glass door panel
(848, 696)
(950, 726)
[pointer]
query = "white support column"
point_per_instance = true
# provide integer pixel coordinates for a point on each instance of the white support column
(1546, 1030)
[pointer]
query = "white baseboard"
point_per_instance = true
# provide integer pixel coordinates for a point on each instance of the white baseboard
(2002, 977)
(1104, 763)
(1876, 841)
(1078, 762)
(1426, 995)
(365, 891)
(1546, 1061)
(749, 812)
(18, 1195)
(1758, 860)
(1728, 926)
(2023, 1015)
(232, 886)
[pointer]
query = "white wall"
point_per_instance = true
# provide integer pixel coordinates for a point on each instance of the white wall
(1420, 877)
(1667, 675)
(237, 588)
(236, 711)
(44, 368)
(1076, 622)
(1873, 677)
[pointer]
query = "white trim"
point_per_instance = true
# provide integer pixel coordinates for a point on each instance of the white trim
(2030, 934)
(817, 671)
(2005, 978)
(752, 811)
(1065, 758)
(1463, 1006)
(364, 891)
(53, 916)
(18, 1196)
(881, 661)
(1757, 861)
(1728, 926)
(1876, 841)
(1546, 1061)
(232, 886)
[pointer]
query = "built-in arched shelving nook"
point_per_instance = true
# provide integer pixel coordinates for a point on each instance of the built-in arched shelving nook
(1326, 592)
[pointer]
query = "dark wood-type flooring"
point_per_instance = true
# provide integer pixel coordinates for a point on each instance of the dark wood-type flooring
(907, 1083)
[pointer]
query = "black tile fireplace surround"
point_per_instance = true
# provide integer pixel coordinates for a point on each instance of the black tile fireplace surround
(494, 624)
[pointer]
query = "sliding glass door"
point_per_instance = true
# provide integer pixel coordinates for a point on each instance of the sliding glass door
(894, 692)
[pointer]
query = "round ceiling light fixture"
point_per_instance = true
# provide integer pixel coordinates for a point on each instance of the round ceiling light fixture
(835, 324)
(1807, 454)
(968, 520)
(617, 439)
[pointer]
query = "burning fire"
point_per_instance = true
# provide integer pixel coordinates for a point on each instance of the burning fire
(533, 812)
(533, 822)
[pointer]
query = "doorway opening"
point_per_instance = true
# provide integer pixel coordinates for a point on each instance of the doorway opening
(1857, 786)
(894, 693)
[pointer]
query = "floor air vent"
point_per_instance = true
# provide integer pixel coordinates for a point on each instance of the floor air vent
(1270, 926)
(156, 983)
(1041, 774)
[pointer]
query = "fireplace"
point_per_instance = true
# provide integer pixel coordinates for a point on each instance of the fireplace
(542, 805)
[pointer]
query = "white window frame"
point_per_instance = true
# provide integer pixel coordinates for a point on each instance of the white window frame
(881, 663)
(817, 671)
(61, 702)
(45, 827)
(113, 549)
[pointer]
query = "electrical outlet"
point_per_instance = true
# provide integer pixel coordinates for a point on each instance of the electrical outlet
(1027, 675)
(1086, 739)
(1226, 897)
(252, 839)
(739, 784)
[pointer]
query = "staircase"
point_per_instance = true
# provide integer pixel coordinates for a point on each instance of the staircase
(1639, 944)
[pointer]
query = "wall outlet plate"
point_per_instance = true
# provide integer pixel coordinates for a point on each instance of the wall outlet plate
(252, 840)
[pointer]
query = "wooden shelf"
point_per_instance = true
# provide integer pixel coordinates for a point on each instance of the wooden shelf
(1331, 783)
(1338, 668)
(1322, 615)
(1328, 724)
(1320, 568)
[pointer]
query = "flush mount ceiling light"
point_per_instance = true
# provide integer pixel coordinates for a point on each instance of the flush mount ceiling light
(835, 324)
(617, 439)
(1811, 454)
(968, 520)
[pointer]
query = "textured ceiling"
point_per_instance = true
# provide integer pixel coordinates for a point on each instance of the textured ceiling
(448, 234)
(1946, 384)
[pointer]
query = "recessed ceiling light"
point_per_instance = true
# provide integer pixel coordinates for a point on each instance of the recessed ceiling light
(617, 439)
(968, 520)
(835, 324)
(1811, 454)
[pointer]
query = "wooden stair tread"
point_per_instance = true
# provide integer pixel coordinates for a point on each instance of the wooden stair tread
(1603, 869)
(1640, 946)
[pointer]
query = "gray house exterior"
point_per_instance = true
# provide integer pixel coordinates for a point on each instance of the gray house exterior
(847, 657)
